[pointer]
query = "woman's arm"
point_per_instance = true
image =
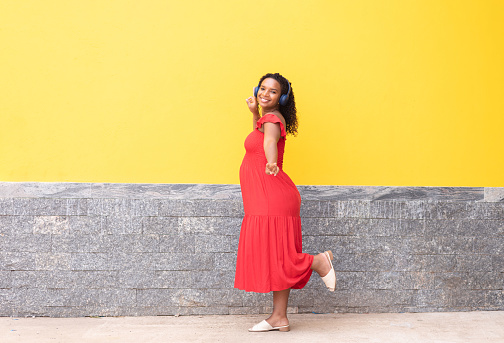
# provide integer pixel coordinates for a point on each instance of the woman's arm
(271, 137)
(252, 105)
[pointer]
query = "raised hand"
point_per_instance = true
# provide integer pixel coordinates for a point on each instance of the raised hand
(252, 105)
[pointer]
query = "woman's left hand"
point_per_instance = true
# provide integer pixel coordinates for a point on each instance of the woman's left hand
(272, 169)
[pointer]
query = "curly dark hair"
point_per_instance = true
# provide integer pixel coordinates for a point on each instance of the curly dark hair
(289, 110)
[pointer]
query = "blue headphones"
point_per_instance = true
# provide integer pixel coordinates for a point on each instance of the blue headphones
(283, 98)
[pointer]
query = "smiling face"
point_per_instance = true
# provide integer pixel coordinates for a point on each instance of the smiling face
(269, 94)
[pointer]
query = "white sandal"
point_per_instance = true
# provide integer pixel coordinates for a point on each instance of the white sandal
(330, 278)
(264, 326)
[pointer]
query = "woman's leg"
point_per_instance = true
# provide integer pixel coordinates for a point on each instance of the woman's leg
(279, 315)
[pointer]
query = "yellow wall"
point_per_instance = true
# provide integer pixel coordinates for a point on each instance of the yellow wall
(388, 92)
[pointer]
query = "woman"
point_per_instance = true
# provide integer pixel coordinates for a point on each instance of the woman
(270, 254)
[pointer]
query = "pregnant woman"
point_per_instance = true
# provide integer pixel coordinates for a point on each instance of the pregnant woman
(270, 257)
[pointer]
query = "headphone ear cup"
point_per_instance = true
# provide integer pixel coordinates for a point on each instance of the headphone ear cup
(256, 90)
(283, 99)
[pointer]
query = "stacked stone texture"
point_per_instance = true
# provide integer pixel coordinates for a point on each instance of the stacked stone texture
(70, 250)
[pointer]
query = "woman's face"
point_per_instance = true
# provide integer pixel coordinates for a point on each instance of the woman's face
(269, 93)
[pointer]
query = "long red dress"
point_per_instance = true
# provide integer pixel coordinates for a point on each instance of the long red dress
(270, 254)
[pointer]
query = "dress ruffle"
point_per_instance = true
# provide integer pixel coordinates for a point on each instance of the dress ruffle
(271, 118)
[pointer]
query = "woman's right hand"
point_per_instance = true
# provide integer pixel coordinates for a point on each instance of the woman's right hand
(252, 105)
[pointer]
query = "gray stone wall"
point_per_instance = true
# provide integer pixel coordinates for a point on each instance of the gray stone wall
(70, 249)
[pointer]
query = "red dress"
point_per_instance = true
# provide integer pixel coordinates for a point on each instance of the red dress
(270, 254)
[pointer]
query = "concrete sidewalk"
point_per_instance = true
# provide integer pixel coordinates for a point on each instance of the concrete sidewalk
(451, 327)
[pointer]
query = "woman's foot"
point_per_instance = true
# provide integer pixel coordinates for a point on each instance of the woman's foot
(277, 321)
(321, 264)
(265, 326)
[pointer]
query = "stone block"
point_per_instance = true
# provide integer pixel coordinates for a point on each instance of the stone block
(489, 210)
(210, 225)
(364, 262)
(89, 261)
(5, 225)
(164, 297)
(17, 261)
(450, 281)
(54, 225)
(160, 225)
(95, 279)
(118, 207)
(184, 261)
(191, 297)
(422, 280)
(389, 280)
(87, 225)
(6, 206)
(256, 299)
(353, 209)
(484, 280)
(384, 209)
(411, 209)
(104, 298)
(214, 279)
(145, 207)
(22, 225)
(5, 279)
(464, 227)
(174, 279)
(489, 245)
(318, 209)
(405, 262)
(22, 206)
(494, 194)
(95, 207)
(43, 279)
(444, 245)
(77, 207)
(213, 243)
(435, 263)
(450, 210)
(122, 225)
(25, 243)
(177, 243)
(47, 206)
(225, 261)
(467, 299)
(138, 279)
(223, 297)
(474, 262)
(349, 280)
(498, 263)
(431, 298)
(495, 299)
(201, 208)
(380, 298)
(334, 226)
(112, 244)
(36, 298)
